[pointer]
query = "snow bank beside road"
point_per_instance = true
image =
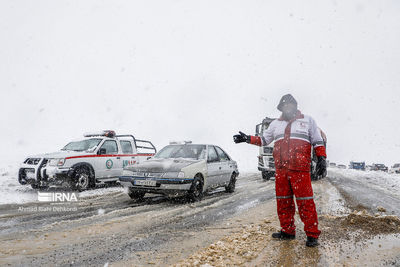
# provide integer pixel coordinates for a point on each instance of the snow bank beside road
(385, 181)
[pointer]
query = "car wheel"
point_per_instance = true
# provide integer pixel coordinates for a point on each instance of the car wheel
(196, 190)
(82, 179)
(267, 175)
(135, 194)
(230, 188)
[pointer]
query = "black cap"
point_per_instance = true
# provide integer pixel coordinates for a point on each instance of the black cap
(286, 99)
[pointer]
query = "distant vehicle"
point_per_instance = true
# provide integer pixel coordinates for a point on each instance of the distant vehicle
(357, 165)
(266, 163)
(395, 168)
(379, 167)
(182, 169)
(341, 166)
(98, 158)
(332, 164)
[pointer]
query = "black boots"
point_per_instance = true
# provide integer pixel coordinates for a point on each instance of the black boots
(311, 241)
(283, 235)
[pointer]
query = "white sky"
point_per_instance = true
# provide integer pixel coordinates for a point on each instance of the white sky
(199, 70)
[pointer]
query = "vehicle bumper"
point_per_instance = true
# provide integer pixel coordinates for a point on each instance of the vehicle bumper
(266, 163)
(163, 186)
(42, 176)
(27, 175)
(263, 169)
(52, 173)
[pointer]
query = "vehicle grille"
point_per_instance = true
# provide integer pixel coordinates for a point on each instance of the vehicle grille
(148, 174)
(32, 161)
(268, 150)
(271, 163)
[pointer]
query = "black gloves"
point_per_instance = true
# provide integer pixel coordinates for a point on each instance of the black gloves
(321, 167)
(241, 137)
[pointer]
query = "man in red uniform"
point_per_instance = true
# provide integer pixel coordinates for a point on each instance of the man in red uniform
(295, 135)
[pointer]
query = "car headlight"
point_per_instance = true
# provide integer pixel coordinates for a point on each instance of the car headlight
(61, 162)
(57, 162)
(173, 175)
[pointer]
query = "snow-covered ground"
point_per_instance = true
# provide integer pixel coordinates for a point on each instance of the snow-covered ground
(389, 182)
(13, 192)
(10, 189)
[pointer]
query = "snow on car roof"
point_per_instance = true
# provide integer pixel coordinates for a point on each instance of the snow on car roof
(195, 144)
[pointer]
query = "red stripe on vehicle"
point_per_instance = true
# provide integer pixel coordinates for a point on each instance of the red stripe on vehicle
(110, 155)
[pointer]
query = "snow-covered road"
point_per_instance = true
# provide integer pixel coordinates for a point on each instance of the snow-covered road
(106, 226)
(373, 190)
(156, 220)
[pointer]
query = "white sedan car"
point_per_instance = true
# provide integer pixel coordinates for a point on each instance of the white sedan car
(180, 169)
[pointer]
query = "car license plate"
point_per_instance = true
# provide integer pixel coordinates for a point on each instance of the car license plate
(145, 182)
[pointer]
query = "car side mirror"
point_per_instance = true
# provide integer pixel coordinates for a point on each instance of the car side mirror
(102, 151)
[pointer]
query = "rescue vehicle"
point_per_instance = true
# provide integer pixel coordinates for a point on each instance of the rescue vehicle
(98, 158)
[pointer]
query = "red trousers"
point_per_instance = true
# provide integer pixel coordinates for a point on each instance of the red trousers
(295, 183)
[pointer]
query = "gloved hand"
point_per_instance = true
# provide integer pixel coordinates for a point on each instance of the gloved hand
(321, 167)
(241, 137)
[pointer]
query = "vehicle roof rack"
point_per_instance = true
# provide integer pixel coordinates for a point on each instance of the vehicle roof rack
(151, 146)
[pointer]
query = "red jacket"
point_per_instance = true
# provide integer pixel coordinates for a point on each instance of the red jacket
(293, 142)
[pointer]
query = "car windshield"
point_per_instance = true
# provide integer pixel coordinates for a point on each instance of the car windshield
(83, 145)
(182, 151)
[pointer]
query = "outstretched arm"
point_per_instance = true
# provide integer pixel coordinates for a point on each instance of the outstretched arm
(266, 138)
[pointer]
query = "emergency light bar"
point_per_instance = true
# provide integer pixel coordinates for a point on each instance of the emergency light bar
(106, 133)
